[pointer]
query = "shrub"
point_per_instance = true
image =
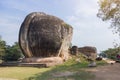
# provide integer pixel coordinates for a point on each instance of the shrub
(12, 53)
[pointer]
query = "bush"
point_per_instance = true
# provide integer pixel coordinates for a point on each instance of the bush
(111, 52)
(12, 53)
(2, 47)
(11, 57)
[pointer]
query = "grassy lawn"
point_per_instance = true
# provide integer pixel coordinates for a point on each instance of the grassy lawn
(20, 72)
(70, 70)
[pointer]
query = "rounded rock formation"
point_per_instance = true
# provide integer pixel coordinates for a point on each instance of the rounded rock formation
(42, 35)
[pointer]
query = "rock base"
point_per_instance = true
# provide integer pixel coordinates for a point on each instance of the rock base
(50, 61)
(35, 62)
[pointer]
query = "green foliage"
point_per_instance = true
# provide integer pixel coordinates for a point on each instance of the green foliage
(110, 10)
(101, 63)
(104, 55)
(66, 25)
(9, 53)
(2, 47)
(112, 52)
(12, 53)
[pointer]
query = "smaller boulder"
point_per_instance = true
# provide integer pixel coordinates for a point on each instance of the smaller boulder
(74, 50)
(92, 64)
(98, 59)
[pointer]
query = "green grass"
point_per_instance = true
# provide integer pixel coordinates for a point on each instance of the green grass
(20, 73)
(101, 63)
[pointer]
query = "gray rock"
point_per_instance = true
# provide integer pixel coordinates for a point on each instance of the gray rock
(43, 35)
(92, 64)
(74, 50)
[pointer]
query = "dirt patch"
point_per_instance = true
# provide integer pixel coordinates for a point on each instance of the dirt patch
(108, 72)
(63, 74)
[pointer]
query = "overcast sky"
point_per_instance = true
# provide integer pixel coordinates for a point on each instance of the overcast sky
(89, 30)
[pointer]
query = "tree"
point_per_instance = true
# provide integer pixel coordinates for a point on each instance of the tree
(110, 10)
(12, 53)
(111, 52)
(2, 47)
(9, 53)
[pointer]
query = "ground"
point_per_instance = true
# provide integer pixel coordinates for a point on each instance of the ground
(107, 72)
(70, 70)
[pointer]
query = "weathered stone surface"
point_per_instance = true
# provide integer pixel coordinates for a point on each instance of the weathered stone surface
(49, 61)
(43, 35)
(74, 50)
(89, 51)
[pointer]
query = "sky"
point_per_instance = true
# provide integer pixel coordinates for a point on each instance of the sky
(88, 29)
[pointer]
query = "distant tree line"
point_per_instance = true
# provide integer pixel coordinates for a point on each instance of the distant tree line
(9, 53)
(111, 53)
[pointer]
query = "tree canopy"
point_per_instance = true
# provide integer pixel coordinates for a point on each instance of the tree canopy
(12, 53)
(9, 53)
(111, 53)
(110, 10)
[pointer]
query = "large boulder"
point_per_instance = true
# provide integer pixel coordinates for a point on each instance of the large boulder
(42, 35)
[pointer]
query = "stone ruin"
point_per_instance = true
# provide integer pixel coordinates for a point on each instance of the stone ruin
(74, 50)
(44, 38)
(89, 51)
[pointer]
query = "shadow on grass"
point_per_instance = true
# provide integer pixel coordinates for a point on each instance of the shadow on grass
(71, 66)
